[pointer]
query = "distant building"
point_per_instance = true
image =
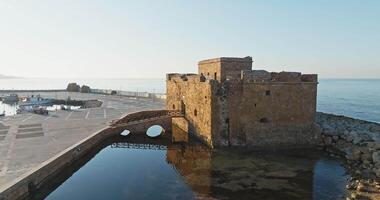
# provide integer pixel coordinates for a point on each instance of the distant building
(228, 103)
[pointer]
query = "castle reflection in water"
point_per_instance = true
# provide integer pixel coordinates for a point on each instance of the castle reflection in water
(220, 174)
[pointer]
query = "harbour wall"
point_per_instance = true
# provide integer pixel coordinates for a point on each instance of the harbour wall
(35, 178)
(97, 91)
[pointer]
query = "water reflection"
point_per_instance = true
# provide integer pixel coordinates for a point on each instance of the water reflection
(125, 133)
(154, 131)
(178, 167)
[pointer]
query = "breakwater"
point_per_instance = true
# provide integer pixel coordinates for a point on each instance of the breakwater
(357, 143)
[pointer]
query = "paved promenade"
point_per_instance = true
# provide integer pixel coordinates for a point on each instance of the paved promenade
(27, 140)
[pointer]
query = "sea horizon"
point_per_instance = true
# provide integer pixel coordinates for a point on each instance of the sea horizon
(357, 98)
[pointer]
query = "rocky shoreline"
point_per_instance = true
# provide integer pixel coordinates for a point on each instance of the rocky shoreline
(357, 143)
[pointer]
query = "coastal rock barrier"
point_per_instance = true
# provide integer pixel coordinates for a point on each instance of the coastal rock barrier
(357, 142)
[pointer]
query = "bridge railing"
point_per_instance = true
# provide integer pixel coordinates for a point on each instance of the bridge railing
(145, 115)
(139, 146)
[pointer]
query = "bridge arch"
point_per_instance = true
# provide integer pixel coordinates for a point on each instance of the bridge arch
(155, 131)
(125, 133)
(140, 122)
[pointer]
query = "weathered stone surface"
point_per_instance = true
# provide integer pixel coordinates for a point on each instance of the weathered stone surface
(376, 157)
(227, 103)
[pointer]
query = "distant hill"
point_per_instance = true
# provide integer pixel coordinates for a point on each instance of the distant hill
(7, 77)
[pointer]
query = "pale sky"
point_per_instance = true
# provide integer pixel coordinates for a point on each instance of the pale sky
(147, 39)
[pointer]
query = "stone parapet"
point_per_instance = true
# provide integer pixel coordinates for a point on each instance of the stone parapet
(258, 76)
(247, 59)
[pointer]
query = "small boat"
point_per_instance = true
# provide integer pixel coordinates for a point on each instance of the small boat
(35, 101)
(10, 99)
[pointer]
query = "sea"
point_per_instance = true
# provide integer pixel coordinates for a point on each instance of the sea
(357, 98)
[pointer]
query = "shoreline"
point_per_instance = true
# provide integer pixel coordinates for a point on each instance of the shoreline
(356, 142)
(121, 93)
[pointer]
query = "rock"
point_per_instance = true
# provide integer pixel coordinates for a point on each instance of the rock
(348, 153)
(376, 157)
(375, 128)
(368, 174)
(356, 153)
(361, 187)
(328, 140)
(342, 144)
(349, 138)
(357, 140)
(373, 146)
(85, 89)
(73, 87)
(377, 172)
(351, 186)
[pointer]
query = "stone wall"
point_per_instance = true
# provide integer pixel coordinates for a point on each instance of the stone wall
(181, 123)
(191, 95)
(224, 68)
(228, 104)
(141, 116)
(264, 114)
(279, 104)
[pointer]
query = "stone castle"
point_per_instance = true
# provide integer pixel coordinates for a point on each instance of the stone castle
(229, 104)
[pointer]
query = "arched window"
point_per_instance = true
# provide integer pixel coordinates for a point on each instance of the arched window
(173, 107)
(195, 112)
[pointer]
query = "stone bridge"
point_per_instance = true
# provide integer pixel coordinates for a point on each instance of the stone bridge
(139, 122)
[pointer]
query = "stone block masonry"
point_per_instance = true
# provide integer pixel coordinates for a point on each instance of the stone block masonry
(229, 104)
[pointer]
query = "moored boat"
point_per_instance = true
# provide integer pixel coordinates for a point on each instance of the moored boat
(10, 99)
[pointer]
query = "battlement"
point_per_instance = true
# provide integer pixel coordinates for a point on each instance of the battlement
(224, 68)
(247, 59)
(185, 77)
(283, 77)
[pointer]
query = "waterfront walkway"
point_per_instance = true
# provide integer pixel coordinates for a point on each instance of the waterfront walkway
(26, 140)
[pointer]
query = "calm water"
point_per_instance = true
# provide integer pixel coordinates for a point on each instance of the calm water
(192, 171)
(141, 85)
(355, 98)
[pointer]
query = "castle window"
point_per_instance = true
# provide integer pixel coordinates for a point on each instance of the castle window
(255, 105)
(173, 107)
(267, 93)
(195, 112)
(227, 120)
(215, 75)
(208, 73)
(264, 120)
